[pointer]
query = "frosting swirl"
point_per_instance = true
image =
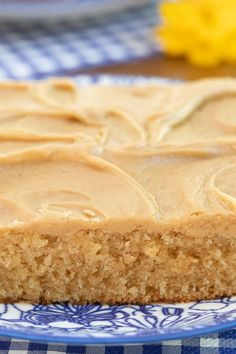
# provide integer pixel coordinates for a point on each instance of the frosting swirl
(98, 156)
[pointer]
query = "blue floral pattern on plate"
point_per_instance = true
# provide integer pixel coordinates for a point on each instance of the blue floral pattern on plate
(115, 324)
(94, 324)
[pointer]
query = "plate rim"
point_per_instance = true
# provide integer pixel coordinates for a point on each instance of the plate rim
(120, 339)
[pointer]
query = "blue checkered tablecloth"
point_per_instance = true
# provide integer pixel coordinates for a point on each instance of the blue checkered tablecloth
(31, 50)
(221, 343)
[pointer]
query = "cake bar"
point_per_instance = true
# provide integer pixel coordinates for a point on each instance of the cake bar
(117, 194)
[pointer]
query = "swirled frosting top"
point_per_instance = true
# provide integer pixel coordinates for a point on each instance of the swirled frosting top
(115, 157)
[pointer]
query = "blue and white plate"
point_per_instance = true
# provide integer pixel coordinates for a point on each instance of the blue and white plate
(58, 9)
(97, 324)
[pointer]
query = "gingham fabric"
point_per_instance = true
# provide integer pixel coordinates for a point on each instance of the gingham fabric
(221, 343)
(35, 50)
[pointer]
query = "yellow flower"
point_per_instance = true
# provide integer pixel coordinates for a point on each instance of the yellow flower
(204, 31)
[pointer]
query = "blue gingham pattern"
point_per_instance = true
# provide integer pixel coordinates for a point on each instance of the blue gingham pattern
(32, 51)
(220, 343)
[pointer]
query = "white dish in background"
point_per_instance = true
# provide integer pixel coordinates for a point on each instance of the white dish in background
(61, 9)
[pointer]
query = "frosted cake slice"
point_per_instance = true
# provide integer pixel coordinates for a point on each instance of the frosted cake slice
(117, 193)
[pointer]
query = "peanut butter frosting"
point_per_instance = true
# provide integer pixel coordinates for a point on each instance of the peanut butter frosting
(115, 157)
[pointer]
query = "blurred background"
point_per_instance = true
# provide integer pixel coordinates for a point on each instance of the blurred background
(183, 39)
